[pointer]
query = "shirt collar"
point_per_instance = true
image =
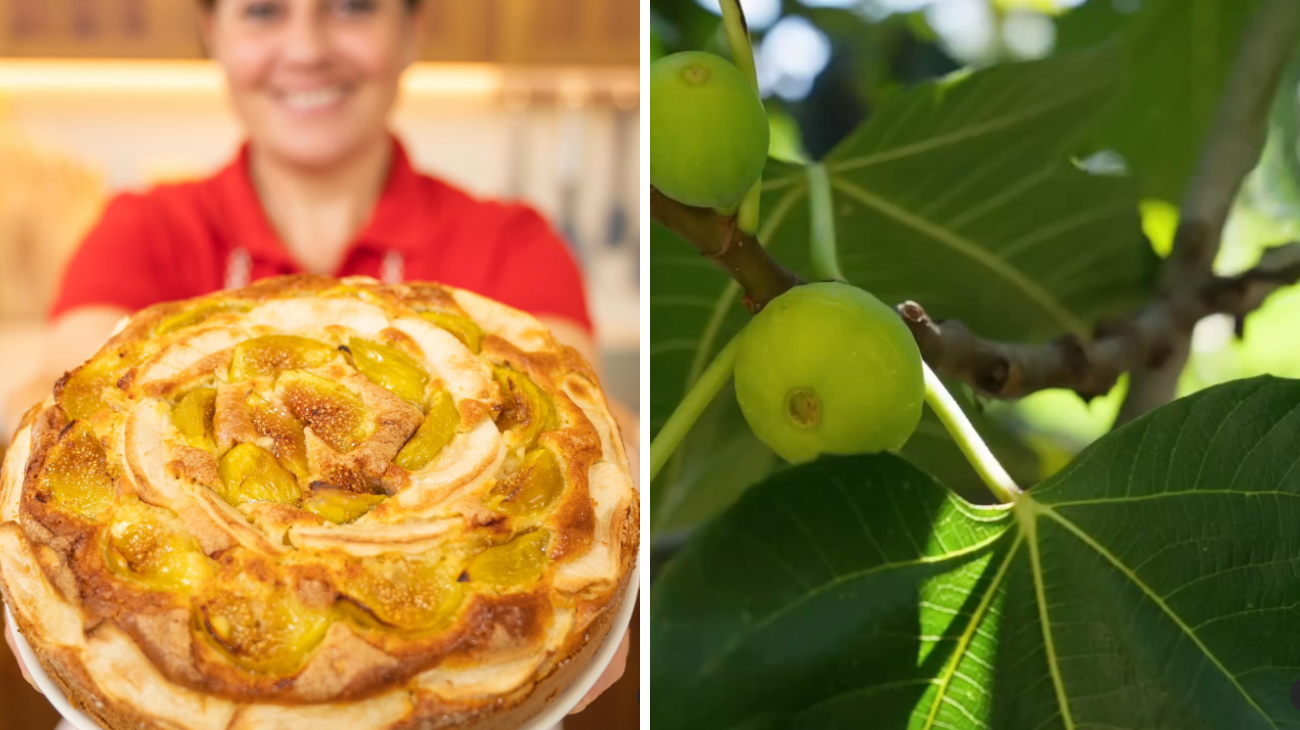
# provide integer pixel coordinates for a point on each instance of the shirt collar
(394, 224)
(391, 226)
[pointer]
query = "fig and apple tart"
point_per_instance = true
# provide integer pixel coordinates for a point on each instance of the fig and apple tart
(319, 503)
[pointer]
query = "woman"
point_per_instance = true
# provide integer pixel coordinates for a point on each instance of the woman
(320, 186)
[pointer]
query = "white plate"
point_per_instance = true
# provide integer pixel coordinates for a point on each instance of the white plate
(547, 719)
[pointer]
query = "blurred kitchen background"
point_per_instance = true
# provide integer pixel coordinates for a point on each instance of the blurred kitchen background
(535, 100)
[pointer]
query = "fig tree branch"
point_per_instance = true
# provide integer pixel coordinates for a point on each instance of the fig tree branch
(720, 240)
(1231, 151)
(1090, 367)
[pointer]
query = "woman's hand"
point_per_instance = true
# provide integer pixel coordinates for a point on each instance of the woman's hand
(612, 674)
(13, 647)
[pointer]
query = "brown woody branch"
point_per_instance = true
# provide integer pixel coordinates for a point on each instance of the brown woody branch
(1008, 369)
(1231, 151)
(718, 238)
(1091, 367)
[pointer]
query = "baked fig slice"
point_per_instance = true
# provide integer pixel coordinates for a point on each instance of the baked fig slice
(272, 354)
(522, 560)
(335, 414)
(439, 427)
(260, 626)
(150, 546)
(463, 328)
(75, 476)
(193, 414)
(390, 368)
(529, 410)
(252, 474)
(531, 489)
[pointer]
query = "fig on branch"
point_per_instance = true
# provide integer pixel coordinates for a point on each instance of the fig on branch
(827, 368)
(708, 130)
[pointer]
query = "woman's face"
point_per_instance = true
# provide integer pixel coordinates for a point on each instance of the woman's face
(313, 80)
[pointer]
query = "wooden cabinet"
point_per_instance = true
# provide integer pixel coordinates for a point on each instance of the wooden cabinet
(569, 31)
(503, 31)
(99, 28)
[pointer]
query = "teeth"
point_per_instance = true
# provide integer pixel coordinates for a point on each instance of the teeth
(313, 98)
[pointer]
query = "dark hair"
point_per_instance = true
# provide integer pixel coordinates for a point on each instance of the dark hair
(410, 4)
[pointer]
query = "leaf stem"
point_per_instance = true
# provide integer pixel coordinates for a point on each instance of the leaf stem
(674, 430)
(968, 439)
(825, 257)
(742, 49)
(742, 54)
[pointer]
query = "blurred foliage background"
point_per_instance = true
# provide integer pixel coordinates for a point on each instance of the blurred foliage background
(826, 66)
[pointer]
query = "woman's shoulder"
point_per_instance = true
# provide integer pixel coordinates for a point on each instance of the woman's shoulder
(173, 211)
(459, 208)
(172, 197)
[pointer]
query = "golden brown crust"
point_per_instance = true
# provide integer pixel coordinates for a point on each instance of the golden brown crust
(378, 622)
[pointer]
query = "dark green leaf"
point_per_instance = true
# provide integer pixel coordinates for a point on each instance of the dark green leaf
(1151, 584)
(1176, 58)
(960, 195)
(719, 460)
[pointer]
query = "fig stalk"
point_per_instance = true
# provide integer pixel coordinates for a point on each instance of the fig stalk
(742, 54)
(968, 439)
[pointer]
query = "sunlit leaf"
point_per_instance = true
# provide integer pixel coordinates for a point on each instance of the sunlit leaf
(1151, 584)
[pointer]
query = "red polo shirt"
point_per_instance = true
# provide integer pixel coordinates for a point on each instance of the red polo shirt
(185, 240)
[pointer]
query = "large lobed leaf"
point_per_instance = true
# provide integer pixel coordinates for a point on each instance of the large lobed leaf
(1175, 58)
(960, 194)
(1152, 584)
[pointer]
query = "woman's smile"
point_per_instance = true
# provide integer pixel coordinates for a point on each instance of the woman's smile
(315, 100)
(313, 80)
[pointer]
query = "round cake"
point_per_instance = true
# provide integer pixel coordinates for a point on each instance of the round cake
(319, 503)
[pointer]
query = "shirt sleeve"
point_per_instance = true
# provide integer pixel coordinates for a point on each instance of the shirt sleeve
(538, 273)
(114, 264)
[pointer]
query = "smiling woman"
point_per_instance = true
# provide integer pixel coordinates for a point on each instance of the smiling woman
(296, 108)
(319, 186)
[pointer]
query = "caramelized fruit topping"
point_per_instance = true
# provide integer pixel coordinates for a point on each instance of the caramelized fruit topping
(284, 430)
(198, 315)
(337, 505)
(76, 473)
(391, 368)
(82, 395)
(193, 418)
(437, 430)
(334, 413)
(406, 592)
(529, 491)
(149, 545)
(345, 290)
(261, 627)
(520, 561)
(463, 328)
(271, 354)
(528, 409)
(251, 474)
